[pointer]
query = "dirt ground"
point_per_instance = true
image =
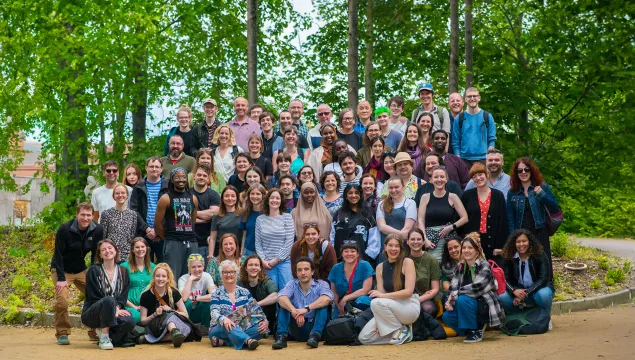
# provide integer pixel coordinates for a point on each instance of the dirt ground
(594, 334)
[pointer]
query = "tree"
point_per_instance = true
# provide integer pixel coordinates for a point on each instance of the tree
(369, 84)
(468, 44)
(252, 50)
(353, 54)
(453, 68)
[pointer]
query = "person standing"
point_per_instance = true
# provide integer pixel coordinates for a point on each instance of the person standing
(496, 178)
(242, 125)
(455, 102)
(184, 130)
(403, 165)
(102, 198)
(351, 172)
(225, 152)
(456, 168)
(208, 205)
(474, 130)
(176, 158)
(397, 121)
(432, 161)
(203, 133)
(324, 116)
(364, 113)
(391, 136)
(440, 114)
(270, 139)
(346, 131)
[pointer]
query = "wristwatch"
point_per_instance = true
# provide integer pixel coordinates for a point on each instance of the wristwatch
(454, 226)
(307, 308)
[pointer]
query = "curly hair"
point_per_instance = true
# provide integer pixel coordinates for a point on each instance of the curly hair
(535, 178)
(244, 276)
(232, 137)
(509, 250)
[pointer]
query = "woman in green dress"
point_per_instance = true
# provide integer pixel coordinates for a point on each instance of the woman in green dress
(140, 269)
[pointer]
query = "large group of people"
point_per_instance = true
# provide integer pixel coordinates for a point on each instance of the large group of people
(262, 226)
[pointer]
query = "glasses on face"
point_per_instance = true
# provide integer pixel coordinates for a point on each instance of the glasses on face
(112, 171)
(523, 170)
(348, 119)
(471, 96)
(228, 273)
(326, 113)
(306, 173)
(394, 106)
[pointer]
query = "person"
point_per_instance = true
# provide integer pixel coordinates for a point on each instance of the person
(121, 224)
(203, 133)
(176, 158)
(437, 213)
(395, 304)
(299, 156)
(346, 131)
(364, 113)
(306, 174)
(427, 270)
(73, 241)
(163, 313)
(351, 172)
(449, 262)
(413, 143)
(403, 165)
(528, 200)
(256, 146)
(184, 130)
(205, 156)
(388, 161)
(226, 221)
(287, 122)
(237, 319)
(288, 188)
(324, 154)
(261, 287)
(107, 287)
(396, 214)
(441, 115)
(229, 250)
(486, 213)
(397, 121)
(474, 130)
(309, 211)
(472, 283)
(455, 103)
(351, 280)
(132, 175)
(339, 147)
(255, 110)
(144, 199)
(208, 205)
(457, 170)
(332, 198)
(225, 152)
(242, 163)
(274, 238)
(242, 126)
(178, 209)
(526, 274)
(249, 213)
(283, 167)
(496, 178)
(432, 161)
(369, 187)
(375, 166)
(196, 287)
(316, 248)
(296, 109)
(424, 121)
(271, 141)
(140, 269)
(307, 301)
(324, 116)
(102, 198)
(392, 137)
(365, 153)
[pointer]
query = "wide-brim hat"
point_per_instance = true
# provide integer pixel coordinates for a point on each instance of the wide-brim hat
(403, 156)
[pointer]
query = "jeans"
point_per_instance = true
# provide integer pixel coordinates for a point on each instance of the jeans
(464, 315)
(288, 326)
(236, 337)
(542, 298)
(362, 303)
(281, 273)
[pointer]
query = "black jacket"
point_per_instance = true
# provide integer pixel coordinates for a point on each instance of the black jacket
(427, 327)
(139, 197)
(71, 247)
(94, 291)
(538, 268)
(497, 227)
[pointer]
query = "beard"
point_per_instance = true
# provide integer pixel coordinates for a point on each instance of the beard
(175, 153)
(494, 169)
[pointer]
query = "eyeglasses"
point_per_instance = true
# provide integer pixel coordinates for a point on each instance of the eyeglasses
(326, 113)
(228, 273)
(310, 225)
(523, 170)
(348, 119)
(112, 171)
(195, 257)
(471, 96)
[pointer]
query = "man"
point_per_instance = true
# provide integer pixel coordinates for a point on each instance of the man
(242, 125)
(285, 121)
(364, 112)
(455, 101)
(432, 161)
(176, 158)
(306, 300)
(391, 137)
(474, 130)
(288, 189)
(496, 178)
(144, 199)
(324, 116)
(270, 139)
(255, 110)
(351, 173)
(440, 115)
(204, 132)
(102, 196)
(397, 121)
(208, 205)
(178, 208)
(73, 241)
(456, 168)
(403, 166)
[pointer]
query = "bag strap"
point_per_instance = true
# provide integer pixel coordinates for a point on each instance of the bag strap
(523, 323)
(159, 299)
(350, 279)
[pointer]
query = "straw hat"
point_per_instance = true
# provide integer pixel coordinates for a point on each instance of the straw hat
(403, 156)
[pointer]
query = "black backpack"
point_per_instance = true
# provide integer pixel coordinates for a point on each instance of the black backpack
(340, 331)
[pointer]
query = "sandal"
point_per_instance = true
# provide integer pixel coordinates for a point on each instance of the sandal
(252, 344)
(216, 342)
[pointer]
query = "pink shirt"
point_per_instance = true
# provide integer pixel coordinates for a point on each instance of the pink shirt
(243, 131)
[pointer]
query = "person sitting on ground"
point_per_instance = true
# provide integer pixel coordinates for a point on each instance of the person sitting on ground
(316, 248)
(261, 287)
(196, 287)
(428, 272)
(229, 250)
(140, 270)
(449, 262)
(351, 281)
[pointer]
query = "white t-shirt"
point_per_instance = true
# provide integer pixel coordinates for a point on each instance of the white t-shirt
(199, 288)
(409, 204)
(102, 199)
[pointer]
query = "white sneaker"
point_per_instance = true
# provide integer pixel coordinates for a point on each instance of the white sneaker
(400, 336)
(105, 344)
(550, 326)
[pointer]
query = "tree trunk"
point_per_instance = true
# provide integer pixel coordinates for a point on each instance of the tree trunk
(353, 54)
(140, 100)
(368, 69)
(523, 118)
(252, 51)
(468, 43)
(453, 71)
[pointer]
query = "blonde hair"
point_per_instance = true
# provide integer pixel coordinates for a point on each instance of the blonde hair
(170, 285)
(185, 108)
(232, 137)
(388, 205)
(120, 185)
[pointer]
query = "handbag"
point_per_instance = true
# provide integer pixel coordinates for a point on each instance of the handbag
(554, 219)
(432, 233)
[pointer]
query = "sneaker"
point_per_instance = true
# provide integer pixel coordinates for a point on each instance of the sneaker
(474, 336)
(314, 340)
(105, 344)
(177, 337)
(281, 342)
(400, 336)
(550, 326)
(63, 340)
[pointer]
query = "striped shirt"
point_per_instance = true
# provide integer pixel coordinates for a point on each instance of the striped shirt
(274, 236)
(299, 299)
(153, 199)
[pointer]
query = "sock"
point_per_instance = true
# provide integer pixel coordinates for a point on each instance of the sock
(103, 337)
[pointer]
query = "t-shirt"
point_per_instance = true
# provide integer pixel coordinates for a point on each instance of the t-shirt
(235, 181)
(102, 199)
(354, 139)
(198, 288)
(228, 223)
(264, 165)
(149, 300)
(250, 227)
(179, 217)
(153, 190)
(427, 269)
(206, 199)
(188, 139)
(409, 204)
(338, 278)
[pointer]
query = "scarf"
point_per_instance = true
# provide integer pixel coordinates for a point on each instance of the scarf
(309, 214)
(327, 155)
(416, 155)
(375, 168)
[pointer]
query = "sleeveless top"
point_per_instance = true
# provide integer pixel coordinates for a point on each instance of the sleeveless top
(179, 220)
(438, 211)
(388, 269)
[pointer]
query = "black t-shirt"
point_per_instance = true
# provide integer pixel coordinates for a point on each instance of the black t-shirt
(235, 181)
(149, 301)
(188, 139)
(264, 165)
(354, 139)
(206, 199)
(179, 217)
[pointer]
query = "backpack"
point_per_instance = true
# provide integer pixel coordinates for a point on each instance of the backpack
(499, 275)
(340, 331)
(438, 111)
(527, 322)
(234, 151)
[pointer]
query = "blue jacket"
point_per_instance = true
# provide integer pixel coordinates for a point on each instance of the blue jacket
(471, 140)
(537, 202)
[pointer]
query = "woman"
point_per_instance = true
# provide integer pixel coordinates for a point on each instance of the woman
(226, 221)
(283, 166)
(225, 151)
(473, 282)
(242, 163)
(229, 251)
(184, 118)
(526, 274)
(414, 144)
(351, 281)
(369, 187)
(331, 184)
(486, 213)
(449, 261)
(528, 200)
(256, 146)
(132, 174)
(364, 154)
(237, 320)
(163, 313)
(121, 224)
(396, 214)
(318, 249)
(216, 180)
(395, 306)
(261, 287)
(346, 132)
(196, 287)
(306, 174)
(249, 214)
(107, 287)
(323, 155)
(425, 121)
(298, 155)
(375, 165)
(274, 238)
(437, 212)
(140, 270)
(428, 272)
(310, 211)
(388, 162)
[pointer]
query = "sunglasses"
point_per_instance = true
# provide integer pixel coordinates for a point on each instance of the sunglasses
(523, 170)
(195, 257)
(324, 113)
(310, 225)
(112, 171)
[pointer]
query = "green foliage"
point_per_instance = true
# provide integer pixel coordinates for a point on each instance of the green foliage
(626, 267)
(17, 252)
(614, 276)
(11, 315)
(595, 284)
(560, 244)
(21, 285)
(603, 263)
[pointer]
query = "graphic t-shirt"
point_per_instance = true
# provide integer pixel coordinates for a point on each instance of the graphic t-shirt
(179, 217)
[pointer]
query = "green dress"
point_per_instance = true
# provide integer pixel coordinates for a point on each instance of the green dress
(139, 280)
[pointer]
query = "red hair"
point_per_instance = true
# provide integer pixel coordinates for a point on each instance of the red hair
(536, 176)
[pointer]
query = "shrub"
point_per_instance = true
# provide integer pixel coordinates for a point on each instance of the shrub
(595, 284)
(626, 267)
(21, 285)
(11, 315)
(614, 276)
(560, 245)
(603, 263)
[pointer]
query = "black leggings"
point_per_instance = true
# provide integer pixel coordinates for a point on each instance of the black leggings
(102, 314)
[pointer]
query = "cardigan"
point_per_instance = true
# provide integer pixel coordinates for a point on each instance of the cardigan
(95, 280)
(497, 226)
(327, 260)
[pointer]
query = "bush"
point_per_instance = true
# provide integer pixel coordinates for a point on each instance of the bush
(21, 285)
(603, 263)
(626, 267)
(560, 244)
(595, 284)
(614, 276)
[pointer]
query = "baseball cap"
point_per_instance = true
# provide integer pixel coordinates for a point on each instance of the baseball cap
(210, 101)
(425, 86)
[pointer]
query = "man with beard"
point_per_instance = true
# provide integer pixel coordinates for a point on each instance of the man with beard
(178, 209)
(496, 178)
(403, 168)
(208, 205)
(288, 189)
(454, 166)
(351, 173)
(176, 158)
(284, 122)
(102, 198)
(204, 132)
(242, 125)
(432, 161)
(455, 102)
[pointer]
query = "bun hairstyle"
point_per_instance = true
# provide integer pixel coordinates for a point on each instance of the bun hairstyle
(474, 238)
(184, 108)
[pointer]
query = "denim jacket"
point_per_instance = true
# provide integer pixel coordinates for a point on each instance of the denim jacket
(537, 202)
